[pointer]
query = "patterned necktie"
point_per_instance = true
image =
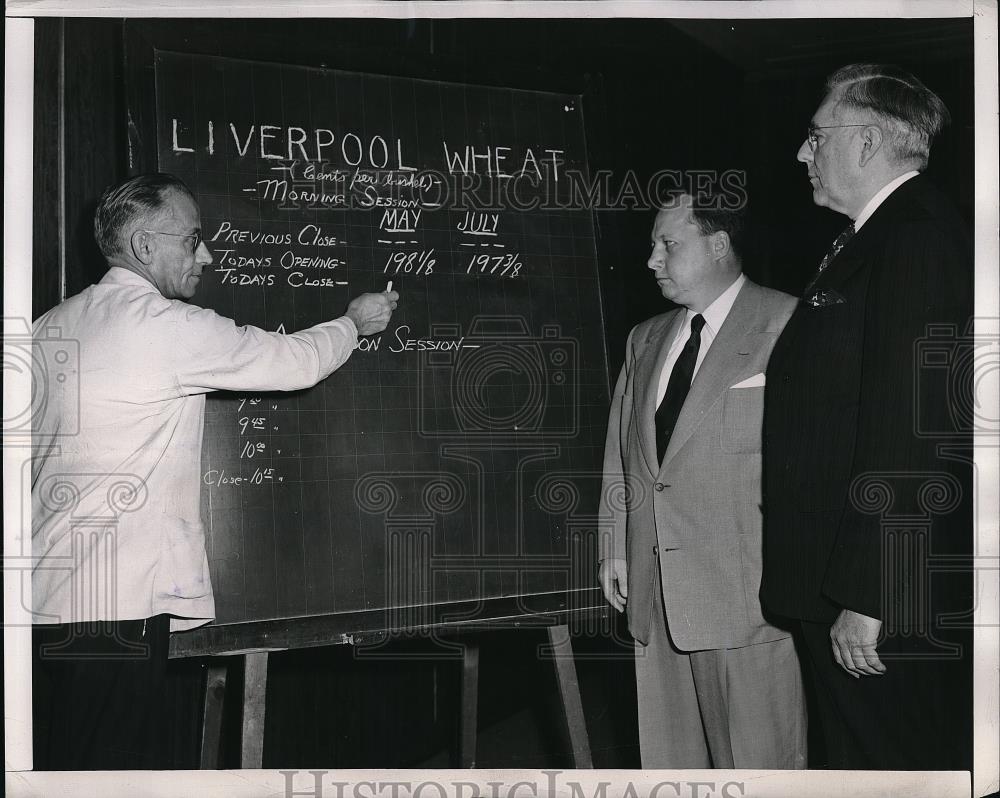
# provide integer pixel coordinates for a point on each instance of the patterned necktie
(838, 244)
(677, 388)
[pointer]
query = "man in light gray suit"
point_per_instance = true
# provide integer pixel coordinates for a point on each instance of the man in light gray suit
(718, 686)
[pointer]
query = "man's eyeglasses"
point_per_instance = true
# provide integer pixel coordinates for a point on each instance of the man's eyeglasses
(813, 140)
(196, 236)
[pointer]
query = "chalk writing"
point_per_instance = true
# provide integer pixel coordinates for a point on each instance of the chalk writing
(231, 277)
(506, 265)
(404, 343)
(300, 280)
(400, 221)
(290, 142)
(479, 224)
(415, 263)
(255, 423)
(217, 477)
(251, 449)
(491, 159)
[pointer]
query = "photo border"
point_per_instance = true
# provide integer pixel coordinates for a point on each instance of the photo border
(18, 107)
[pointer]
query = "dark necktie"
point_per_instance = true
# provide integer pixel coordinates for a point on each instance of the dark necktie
(838, 244)
(677, 388)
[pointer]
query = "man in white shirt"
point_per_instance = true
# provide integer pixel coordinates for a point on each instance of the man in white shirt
(117, 535)
(718, 685)
(867, 451)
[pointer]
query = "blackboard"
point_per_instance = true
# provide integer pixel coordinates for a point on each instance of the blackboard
(454, 460)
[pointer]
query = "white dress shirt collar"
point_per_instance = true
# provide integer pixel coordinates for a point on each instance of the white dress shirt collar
(716, 313)
(119, 275)
(880, 197)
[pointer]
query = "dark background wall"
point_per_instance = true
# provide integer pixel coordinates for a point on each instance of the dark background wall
(657, 94)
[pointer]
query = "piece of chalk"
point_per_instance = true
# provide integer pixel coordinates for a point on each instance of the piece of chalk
(388, 288)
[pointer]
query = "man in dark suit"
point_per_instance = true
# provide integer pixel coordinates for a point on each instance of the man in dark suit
(866, 480)
(718, 686)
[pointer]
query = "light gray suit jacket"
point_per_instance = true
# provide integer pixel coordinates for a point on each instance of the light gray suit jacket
(699, 512)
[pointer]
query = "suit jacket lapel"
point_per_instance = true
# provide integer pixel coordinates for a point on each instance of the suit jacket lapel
(847, 262)
(723, 360)
(647, 378)
(852, 256)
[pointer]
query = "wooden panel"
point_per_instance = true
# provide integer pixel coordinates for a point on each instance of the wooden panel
(95, 138)
(367, 628)
(254, 705)
(214, 706)
(468, 726)
(561, 652)
(47, 206)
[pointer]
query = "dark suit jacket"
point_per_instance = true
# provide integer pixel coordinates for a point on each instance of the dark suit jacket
(855, 410)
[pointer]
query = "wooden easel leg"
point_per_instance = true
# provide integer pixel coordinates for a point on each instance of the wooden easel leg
(211, 724)
(470, 705)
(254, 689)
(569, 693)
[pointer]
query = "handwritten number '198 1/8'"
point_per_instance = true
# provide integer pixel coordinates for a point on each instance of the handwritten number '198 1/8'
(410, 263)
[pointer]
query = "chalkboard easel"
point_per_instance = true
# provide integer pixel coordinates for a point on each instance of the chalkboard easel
(447, 476)
(219, 643)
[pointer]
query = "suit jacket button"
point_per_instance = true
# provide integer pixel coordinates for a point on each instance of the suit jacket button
(659, 486)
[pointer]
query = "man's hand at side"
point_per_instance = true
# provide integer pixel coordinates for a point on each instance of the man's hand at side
(613, 574)
(853, 637)
(370, 312)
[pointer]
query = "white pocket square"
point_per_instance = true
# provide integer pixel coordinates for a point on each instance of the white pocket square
(756, 381)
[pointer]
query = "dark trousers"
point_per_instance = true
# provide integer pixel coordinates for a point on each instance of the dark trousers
(918, 716)
(99, 695)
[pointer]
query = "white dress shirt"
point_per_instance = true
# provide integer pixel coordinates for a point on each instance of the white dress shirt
(115, 488)
(714, 315)
(881, 197)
